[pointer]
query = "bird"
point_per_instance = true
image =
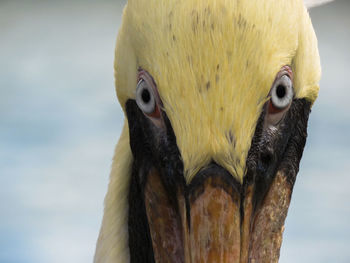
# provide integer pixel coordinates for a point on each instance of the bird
(216, 96)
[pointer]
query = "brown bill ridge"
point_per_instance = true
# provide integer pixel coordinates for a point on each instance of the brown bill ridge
(219, 227)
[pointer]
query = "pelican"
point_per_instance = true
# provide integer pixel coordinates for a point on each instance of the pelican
(216, 96)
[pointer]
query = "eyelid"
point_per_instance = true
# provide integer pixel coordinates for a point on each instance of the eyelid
(285, 70)
(146, 77)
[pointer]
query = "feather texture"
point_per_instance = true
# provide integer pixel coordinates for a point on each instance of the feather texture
(112, 243)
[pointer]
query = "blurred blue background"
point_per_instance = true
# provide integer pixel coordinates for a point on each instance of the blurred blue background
(60, 121)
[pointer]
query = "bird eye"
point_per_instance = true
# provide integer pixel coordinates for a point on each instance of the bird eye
(281, 94)
(144, 97)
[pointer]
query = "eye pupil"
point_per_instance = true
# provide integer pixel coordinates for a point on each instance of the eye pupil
(280, 91)
(146, 96)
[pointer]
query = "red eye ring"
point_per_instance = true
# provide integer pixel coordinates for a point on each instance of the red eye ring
(155, 113)
(272, 109)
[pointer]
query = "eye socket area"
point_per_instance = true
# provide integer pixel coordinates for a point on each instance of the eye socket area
(146, 96)
(282, 93)
(281, 96)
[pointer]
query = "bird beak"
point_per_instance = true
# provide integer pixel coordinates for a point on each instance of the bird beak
(216, 219)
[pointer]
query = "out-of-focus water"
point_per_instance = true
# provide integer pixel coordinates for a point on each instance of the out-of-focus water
(317, 228)
(60, 120)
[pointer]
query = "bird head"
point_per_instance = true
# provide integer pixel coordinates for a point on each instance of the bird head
(216, 96)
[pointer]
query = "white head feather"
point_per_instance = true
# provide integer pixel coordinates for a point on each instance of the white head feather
(312, 3)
